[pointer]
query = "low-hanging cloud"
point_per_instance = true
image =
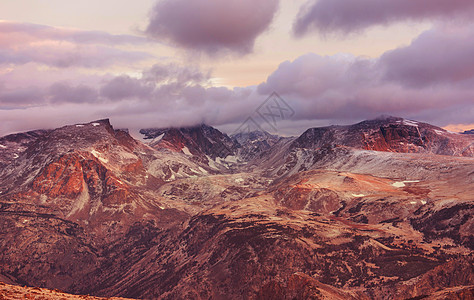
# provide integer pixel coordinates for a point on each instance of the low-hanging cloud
(426, 79)
(212, 26)
(342, 16)
(61, 92)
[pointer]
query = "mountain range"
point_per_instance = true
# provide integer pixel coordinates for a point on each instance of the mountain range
(381, 209)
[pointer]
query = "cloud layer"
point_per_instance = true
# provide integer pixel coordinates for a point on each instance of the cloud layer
(432, 79)
(22, 43)
(442, 55)
(344, 16)
(212, 26)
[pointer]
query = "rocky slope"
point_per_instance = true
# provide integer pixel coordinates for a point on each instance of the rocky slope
(389, 134)
(254, 143)
(89, 210)
(198, 140)
(11, 146)
(12, 292)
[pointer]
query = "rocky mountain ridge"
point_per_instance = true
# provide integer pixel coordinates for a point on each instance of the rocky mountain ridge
(380, 209)
(469, 131)
(389, 134)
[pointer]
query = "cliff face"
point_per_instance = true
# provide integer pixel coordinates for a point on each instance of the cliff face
(89, 210)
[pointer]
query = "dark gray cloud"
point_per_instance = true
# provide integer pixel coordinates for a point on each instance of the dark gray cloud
(212, 26)
(342, 16)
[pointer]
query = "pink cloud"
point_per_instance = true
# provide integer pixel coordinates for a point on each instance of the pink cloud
(429, 79)
(349, 16)
(442, 55)
(122, 87)
(212, 26)
(61, 92)
(22, 43)
(28, 32)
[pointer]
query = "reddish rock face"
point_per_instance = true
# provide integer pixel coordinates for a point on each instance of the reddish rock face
(89, 210)
(63, 177)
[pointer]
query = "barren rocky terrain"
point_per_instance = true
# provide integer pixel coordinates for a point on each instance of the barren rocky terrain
(382, 209)
(13, 292)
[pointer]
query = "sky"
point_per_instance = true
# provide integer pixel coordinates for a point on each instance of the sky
(162, 63)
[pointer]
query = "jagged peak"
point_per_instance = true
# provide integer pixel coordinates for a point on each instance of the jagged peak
(151, 133)
(105, 122)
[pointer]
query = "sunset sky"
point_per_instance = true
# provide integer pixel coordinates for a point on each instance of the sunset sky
(149, 63)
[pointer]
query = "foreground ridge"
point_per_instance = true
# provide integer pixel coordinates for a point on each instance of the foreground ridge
(13, 292)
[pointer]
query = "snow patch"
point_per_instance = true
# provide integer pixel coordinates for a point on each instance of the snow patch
(116, 208)
(438, 132)
(95, 153)
(412, 202)
(15, 156)
(3, 147)
(127, 155)
(239, 180)
(358, 195)
(423, 202)
(95, 124)
(410, 123)
(398, 184)
(231, 158)
(203, 170)
(157, 139)
(81, 201)
(211, 163)
(43, 199)
(186, 151)
(98, 155)
(79, 125)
